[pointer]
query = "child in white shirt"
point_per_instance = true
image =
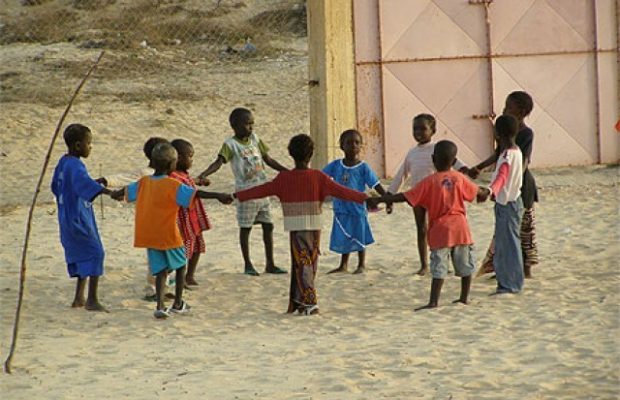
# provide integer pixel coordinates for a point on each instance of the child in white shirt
(417, 165)
(505, 188)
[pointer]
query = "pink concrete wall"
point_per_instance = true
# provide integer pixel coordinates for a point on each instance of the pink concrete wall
(431, 56)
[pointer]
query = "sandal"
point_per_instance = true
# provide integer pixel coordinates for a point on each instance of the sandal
(162, 314)
(183, 310)
(314, 309)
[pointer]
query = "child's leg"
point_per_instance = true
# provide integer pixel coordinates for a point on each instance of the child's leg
(92, 303)
(244, 241)
(508, 259)
(160, 282)
(464, 266)
(465, 285)
(529, 247)
(178, 298)
(439, 270)
(78, 300)
(361, 262)
(191, 269)
(420, 223)
(270, 266)
(435, 292)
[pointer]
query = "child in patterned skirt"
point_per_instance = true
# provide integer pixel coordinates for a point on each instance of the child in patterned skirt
(193, 220)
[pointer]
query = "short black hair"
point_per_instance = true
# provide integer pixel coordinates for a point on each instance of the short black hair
(237, 114)
(181, 145)
(347, 133)
(444, 153)
(162, 155)
(506, 126)
(150, 144)
(523, 101)
(432, 122)
(301, 147)
(75, 133)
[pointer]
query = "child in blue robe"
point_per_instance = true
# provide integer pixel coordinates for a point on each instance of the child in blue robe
(75, 192)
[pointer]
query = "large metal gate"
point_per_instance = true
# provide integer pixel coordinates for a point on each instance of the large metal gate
(458, 59)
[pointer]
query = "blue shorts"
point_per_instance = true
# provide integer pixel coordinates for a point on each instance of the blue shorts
(161, 260)
(462, 259)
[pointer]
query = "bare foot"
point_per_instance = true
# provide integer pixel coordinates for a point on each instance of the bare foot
(338, 270)
(422, 271)
(251, 271)
(95, 306)
(274, 270)
(190, 281)
(460, 301)
(359, 270)
(77, 303)
(426, 307)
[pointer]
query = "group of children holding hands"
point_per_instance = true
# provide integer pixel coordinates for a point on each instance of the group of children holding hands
(170, 218)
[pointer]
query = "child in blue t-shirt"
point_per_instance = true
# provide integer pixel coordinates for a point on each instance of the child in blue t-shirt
(351, 230)
(75, 192)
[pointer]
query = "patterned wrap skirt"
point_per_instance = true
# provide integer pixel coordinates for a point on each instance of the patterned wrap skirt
(529, 247)
(304, 263)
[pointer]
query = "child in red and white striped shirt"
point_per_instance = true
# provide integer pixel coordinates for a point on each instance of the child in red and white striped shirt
(301, 192)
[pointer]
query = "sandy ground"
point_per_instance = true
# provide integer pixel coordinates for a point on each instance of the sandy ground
(556, 340)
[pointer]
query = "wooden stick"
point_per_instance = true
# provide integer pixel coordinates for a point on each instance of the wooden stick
(22, 272)
(101, 197)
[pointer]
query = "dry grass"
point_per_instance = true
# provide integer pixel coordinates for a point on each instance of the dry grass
(127, 25)
(150, 43)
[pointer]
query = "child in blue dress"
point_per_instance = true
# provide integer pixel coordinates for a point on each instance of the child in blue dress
(75, 192)
(351, 230)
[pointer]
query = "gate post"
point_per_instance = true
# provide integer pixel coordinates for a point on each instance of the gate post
(331, 75)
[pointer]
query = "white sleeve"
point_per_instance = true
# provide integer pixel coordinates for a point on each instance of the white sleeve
(401, 175)
(125, 178)
(459, 164)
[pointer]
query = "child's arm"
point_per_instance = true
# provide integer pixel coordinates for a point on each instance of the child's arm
(118, 195)
(475, 171)
(483, 194)
(257, 192)
(123, 179)
(223, 198)
(400, 176)
(500, 179)
(461, 167)
(373, 202)
(264, 152)
(335, 189)
(211, 169)
(525, 142)
(383, 192)
(273, 163)
(86, 187)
